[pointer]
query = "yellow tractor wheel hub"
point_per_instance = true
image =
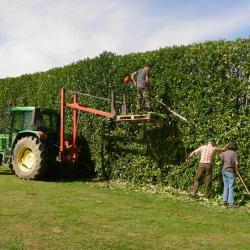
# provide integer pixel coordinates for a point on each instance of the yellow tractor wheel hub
(25, 159)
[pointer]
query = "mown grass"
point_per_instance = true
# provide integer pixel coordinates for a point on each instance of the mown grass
(84, 215)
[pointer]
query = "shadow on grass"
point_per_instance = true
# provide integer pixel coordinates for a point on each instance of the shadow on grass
(5, 171)
(82, 170)
(66, 176)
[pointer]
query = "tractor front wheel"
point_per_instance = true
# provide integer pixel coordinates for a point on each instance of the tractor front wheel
(29, 158)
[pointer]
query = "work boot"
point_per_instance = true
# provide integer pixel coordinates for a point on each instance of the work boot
(193, 196)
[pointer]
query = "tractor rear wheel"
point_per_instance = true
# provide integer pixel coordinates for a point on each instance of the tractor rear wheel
(29, 158)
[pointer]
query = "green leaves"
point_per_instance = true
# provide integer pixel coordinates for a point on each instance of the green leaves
(200, 82)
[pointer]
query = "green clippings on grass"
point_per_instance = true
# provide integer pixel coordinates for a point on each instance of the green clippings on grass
(87, 215)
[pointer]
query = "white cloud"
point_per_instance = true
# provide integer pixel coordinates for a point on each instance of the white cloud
(43, 34)
(36, 35)
(220, 25)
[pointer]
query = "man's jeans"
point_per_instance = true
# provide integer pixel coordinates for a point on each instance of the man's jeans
(228, 192)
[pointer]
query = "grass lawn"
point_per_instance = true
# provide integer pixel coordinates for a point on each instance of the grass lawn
(84, 215)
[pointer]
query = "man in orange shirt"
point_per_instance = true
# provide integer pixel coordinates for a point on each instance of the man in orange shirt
(207, 153)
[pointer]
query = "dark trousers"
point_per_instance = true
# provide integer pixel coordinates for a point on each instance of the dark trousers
(143, 93)
(204, 168)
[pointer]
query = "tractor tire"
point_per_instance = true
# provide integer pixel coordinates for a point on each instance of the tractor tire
(29, 158)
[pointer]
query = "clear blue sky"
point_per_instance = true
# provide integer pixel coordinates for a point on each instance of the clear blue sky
(36, 35)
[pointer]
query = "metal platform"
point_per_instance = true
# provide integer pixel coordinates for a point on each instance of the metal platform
(133, 118)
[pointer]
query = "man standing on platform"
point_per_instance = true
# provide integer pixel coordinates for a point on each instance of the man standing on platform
(142, 85)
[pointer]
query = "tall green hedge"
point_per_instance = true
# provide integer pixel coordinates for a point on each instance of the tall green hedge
(202, 82)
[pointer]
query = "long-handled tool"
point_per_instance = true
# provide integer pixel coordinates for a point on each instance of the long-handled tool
(244, 184)
(171, 111)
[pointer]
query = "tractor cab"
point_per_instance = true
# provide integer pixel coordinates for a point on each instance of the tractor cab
(22, 119)
(46, 120)
(34, 119)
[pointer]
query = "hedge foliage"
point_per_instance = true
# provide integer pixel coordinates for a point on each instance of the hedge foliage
(207, 83)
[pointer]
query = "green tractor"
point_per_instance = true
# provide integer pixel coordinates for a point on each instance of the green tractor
(33, 140)
(29, 138)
